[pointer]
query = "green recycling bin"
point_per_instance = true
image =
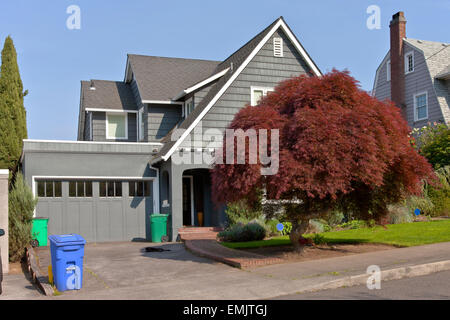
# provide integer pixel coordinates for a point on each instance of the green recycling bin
(158, 227)
(39, 232)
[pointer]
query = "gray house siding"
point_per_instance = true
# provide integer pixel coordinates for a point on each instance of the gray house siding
(99, 127)
(264, 70)
(87, 127)
(383, 86)
(161, 119)
(202, 92)
(417, 82)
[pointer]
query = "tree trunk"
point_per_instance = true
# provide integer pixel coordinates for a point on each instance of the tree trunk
(298, 229)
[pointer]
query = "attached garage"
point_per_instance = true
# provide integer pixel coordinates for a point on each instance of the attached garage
(107, 210)
(104, 192)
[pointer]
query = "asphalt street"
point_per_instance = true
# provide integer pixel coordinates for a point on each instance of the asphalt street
(434, 286)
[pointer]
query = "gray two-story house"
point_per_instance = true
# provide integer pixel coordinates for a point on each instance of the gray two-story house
(132, 134)
(415, 74)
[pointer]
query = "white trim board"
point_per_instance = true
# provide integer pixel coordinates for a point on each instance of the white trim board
(95, 142)
(201, 84)
(162, 102)
(291, 37)
(111, 110)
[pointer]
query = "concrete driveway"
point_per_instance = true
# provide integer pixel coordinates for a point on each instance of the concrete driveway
(125, 271)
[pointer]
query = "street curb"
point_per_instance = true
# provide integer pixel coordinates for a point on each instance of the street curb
(37, 277)
(386, 275)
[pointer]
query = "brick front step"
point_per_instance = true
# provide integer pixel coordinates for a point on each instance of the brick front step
(199, 229)
(196, 236)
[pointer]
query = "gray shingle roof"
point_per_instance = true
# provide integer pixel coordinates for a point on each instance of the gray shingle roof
(107, 95)
(160, 78)
(237, 58)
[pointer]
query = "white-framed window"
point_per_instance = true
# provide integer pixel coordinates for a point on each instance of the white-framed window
(388, 70)
(117, 126)
(141, 124)
(188, 107)
(277, 47)
(257, 93)
(409, 62)
(421, 106)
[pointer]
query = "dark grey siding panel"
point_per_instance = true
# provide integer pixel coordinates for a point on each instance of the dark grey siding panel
(161, 119)
(264, 70)
(200, 94)
(383, 87)
(87, 128)
(99, 127)
(417, 82)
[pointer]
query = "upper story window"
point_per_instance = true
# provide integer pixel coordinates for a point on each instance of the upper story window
(116, 126)
(420, 106)
(388, 70)
(258, 93)
(409, 62)
(188, 107)
(277, 47)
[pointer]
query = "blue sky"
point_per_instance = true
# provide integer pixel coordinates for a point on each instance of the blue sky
(53, 59)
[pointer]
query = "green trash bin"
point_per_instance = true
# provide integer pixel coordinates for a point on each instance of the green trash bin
(39, 231)
(158, 227)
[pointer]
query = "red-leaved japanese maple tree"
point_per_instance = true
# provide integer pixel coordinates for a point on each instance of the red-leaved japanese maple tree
(339, 147)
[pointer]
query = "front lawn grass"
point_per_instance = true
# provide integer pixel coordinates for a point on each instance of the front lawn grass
(404, 235)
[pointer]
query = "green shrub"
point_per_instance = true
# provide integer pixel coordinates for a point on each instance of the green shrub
(440, 196)
(434, 144)
(335, 218)
(241, 233)
(287, 228)
(399, 214)
(318, 226)
(319, 239)
(241, 212)
(272, 227)
(354, 224)
(423, 203)
(21, 207)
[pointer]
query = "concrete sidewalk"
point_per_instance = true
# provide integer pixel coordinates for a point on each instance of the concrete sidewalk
(19, 287)
(200, 279)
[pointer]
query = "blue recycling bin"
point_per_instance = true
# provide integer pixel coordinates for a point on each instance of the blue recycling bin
(67, 252)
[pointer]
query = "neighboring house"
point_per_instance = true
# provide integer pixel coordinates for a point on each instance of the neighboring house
(105, 185)
(415, 74)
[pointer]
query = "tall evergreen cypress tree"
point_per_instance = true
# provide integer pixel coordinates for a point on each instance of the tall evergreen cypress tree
(13, 127)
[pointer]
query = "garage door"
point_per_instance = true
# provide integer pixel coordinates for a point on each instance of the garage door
(100, 211)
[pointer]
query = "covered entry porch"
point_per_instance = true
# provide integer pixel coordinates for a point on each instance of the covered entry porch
(186, 197)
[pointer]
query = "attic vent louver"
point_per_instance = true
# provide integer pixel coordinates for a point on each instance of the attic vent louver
(277, 47)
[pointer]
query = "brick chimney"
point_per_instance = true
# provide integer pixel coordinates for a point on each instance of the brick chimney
(398, 32)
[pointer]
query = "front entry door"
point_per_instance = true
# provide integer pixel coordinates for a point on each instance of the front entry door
(188, 196)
